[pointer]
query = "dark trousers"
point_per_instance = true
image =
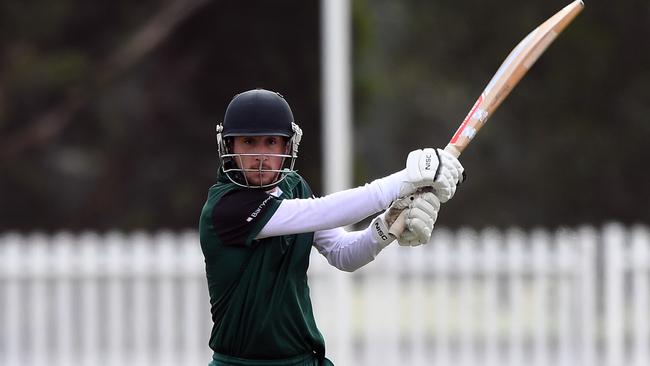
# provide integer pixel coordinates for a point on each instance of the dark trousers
(303, 360)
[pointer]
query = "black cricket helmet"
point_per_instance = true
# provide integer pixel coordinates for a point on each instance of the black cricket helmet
(257, 112)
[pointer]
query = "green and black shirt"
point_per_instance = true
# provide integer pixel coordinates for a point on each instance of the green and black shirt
(259, 296)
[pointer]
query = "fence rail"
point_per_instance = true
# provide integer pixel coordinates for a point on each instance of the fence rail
(491, 297)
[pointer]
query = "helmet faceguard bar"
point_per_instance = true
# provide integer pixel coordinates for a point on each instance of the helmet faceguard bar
(231, 163)
(238, 175)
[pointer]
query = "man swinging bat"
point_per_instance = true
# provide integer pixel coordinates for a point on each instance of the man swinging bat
(261, 220)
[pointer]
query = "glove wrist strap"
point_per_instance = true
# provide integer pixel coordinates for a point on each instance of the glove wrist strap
(380, 231)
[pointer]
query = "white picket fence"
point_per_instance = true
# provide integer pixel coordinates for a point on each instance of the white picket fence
(568, 297)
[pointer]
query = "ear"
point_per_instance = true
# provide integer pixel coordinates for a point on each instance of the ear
(229, 143)
(287, 146)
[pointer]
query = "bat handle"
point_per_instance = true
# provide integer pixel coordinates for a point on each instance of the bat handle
(453, 150)
(399, 225)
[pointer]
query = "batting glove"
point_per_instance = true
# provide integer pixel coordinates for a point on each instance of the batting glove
(450, 174)
(421, 214)
(434, 168)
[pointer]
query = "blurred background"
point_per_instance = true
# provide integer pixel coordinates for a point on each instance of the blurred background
(108, 110)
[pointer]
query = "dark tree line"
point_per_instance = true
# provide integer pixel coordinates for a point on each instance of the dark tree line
(107, 110)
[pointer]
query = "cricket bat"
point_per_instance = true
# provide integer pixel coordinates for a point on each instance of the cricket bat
(515, 66)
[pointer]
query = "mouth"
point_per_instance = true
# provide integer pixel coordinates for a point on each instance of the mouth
(258, 169)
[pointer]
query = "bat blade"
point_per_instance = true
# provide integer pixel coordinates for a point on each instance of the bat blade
(515, 66)
(511, 71)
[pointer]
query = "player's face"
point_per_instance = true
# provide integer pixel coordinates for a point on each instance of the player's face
(262, 149)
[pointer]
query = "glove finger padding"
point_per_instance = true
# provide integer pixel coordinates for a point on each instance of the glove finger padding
(408, 239)
(426, 201)
(450, 174)
(420, 219)
(420, 224)
(444, 186)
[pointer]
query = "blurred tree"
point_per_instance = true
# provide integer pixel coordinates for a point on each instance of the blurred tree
(109, 109)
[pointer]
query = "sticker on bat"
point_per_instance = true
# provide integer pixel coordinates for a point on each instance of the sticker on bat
(469, 132)
(480, 114)
(471, 113)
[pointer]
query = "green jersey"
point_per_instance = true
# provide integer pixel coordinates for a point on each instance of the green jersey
(259, 296)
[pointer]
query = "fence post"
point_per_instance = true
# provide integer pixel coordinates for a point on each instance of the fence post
(37, 269)
(443, 240)
(65, 264)
(492, 240)
(515, 254)
(195, 329)
(540, 248)
(113, 267)
(614, 242)
(465, 261)
(12, 256)
(419, 309)
(587, 240)
(165, 264)
(140, 327)
(382, 309)
(89, 319)
(565, 272)
(640, 243)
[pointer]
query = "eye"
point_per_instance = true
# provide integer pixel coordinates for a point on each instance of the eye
(248, 140)
(272, 141)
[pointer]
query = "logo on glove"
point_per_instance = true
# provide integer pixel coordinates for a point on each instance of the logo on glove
(427, 162)
(380, 232)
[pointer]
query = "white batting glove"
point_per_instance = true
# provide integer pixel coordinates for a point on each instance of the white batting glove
(449, 175)
(432, 168)
(421, 214)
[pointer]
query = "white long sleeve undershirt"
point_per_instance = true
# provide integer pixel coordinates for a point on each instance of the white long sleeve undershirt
(326, 216)
(347, 250)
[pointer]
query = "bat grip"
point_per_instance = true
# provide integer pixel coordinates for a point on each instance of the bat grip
(453, 150)
(398, 227)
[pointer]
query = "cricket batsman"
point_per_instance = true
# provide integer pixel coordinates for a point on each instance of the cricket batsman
(260, 221)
